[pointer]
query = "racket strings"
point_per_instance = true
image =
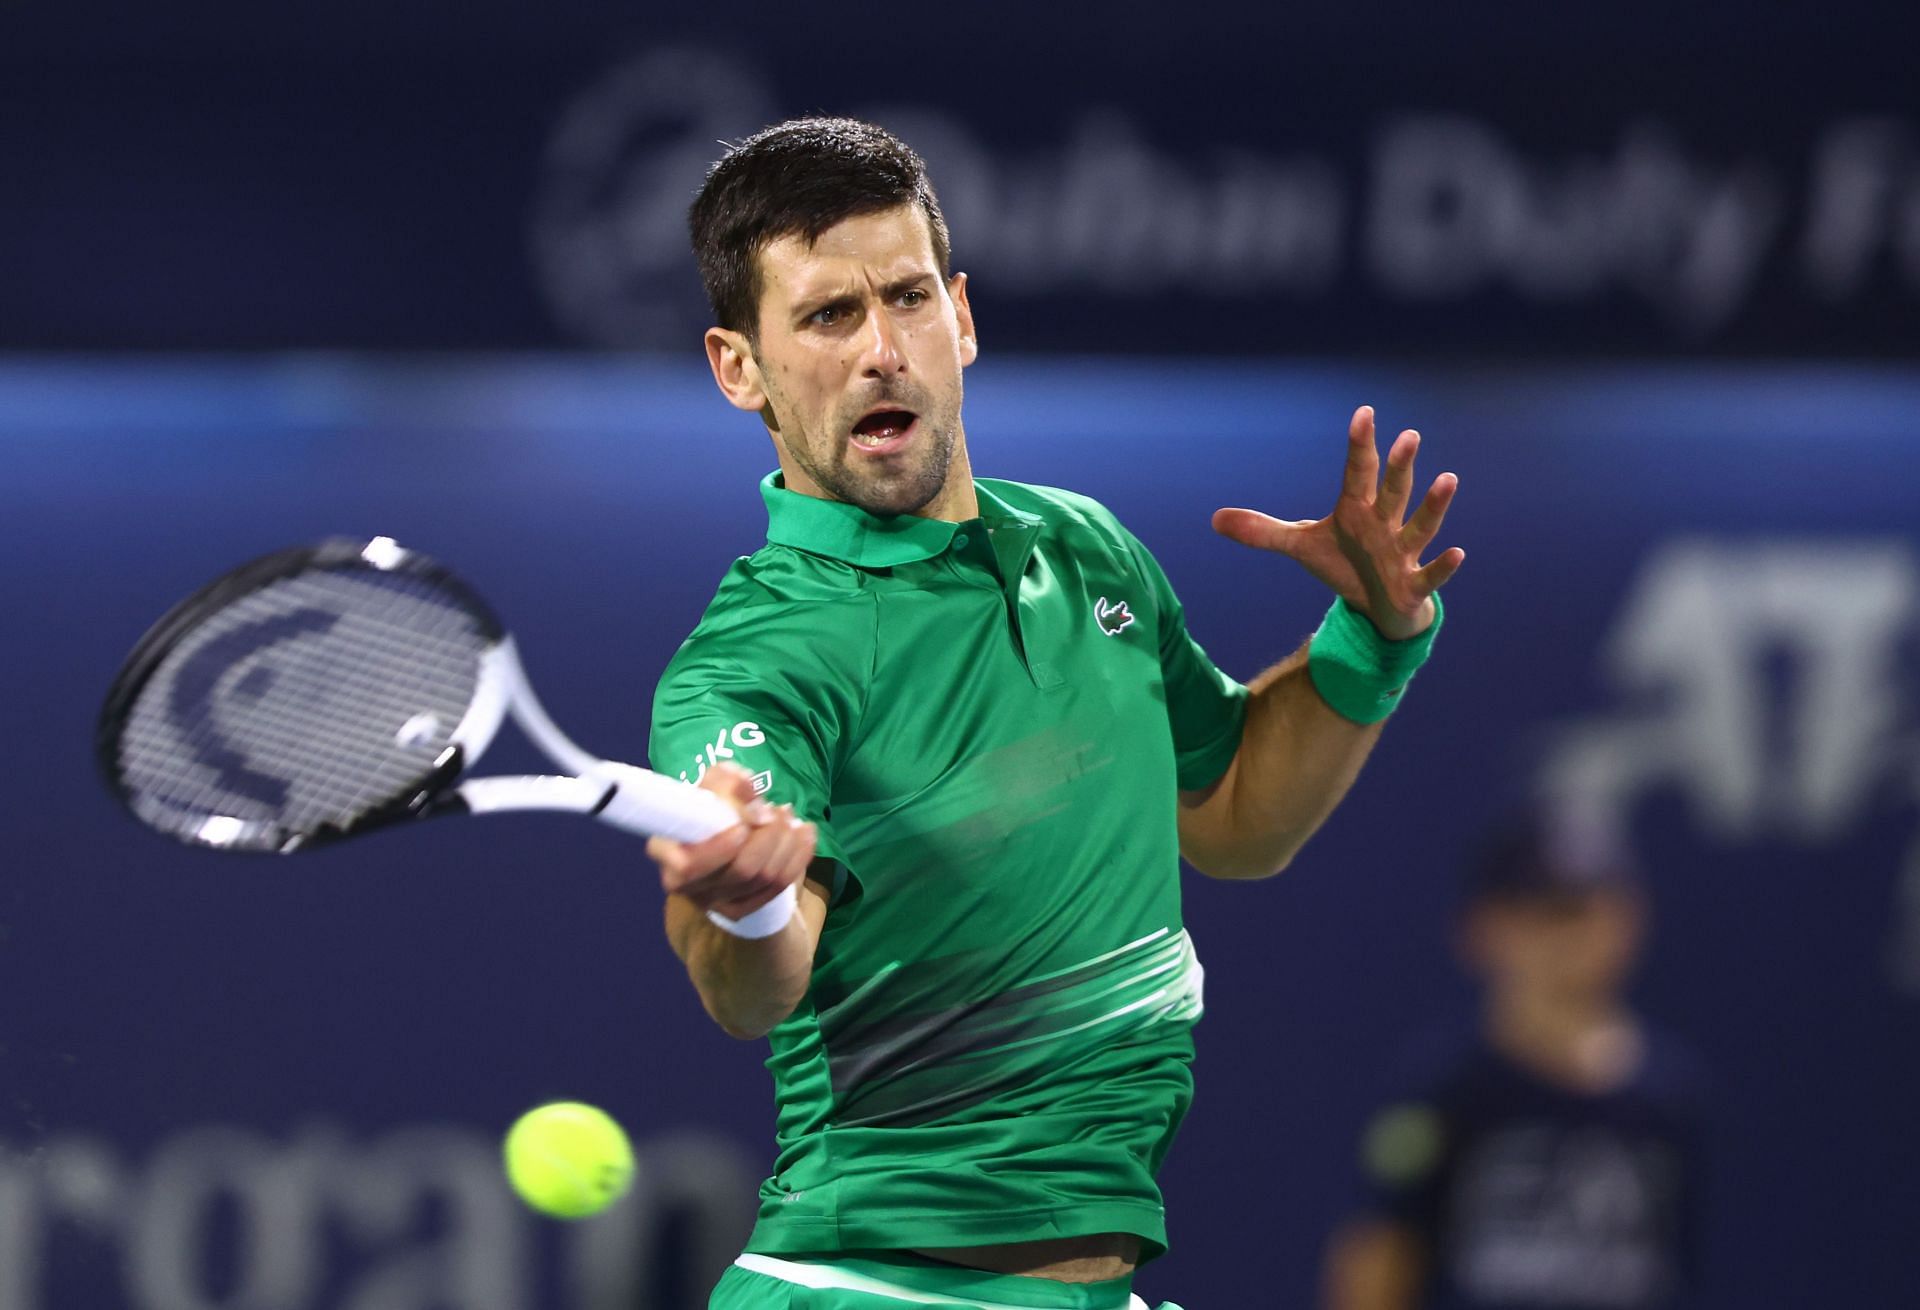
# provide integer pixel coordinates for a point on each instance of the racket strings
(309, 741)
(302, 706)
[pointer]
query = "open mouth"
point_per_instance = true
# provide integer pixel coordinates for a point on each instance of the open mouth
(883, 429)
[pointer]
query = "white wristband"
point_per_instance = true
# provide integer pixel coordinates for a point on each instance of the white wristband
(763, 922)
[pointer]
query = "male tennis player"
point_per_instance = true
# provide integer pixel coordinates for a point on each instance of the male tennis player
(972, 739)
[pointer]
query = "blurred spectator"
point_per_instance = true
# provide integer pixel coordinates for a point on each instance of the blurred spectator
(1551, 1157)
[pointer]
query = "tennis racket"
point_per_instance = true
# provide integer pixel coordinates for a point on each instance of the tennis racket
(326, 691)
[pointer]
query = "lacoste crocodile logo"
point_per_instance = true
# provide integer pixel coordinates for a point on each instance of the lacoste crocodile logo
(1113, 619)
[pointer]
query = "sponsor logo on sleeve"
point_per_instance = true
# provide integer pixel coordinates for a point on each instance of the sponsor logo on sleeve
(741, 736)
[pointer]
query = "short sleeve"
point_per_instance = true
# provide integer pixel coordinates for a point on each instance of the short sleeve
(1206, 708)
(710, 708)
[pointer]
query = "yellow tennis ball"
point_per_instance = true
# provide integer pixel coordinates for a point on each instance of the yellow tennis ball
(568, 1160)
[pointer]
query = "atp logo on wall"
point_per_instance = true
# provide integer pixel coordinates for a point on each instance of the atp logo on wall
(1771, 684)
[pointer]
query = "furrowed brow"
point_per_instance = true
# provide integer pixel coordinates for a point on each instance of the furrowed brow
(910, 282)
(837, 298)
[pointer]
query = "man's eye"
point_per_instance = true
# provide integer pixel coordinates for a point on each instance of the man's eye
(914, 299)
(826, 317)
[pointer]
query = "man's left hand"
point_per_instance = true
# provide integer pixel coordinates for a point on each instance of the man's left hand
(1367, 550)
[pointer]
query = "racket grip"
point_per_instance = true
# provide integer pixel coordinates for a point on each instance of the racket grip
(654, 806)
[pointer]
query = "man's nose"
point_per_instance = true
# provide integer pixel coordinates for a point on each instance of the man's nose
(880, 350)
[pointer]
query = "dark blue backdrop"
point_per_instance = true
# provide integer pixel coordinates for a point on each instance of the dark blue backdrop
(234, 1081)
(1633, 177)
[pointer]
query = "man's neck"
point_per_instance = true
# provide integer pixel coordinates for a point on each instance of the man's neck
(1590, 1045)
(957, 502)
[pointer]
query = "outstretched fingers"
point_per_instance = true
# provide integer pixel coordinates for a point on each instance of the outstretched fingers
(1356, 553)
(1363, 460)
(1437, 574)
(1425, 523)
(1250, 527)
(1397, 486)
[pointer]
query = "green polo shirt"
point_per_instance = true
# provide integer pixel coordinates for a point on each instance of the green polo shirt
(989, 722)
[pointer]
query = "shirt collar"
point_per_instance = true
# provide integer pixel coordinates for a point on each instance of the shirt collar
(848, 533)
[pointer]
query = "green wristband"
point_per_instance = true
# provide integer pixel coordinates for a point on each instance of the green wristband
(1358, 672)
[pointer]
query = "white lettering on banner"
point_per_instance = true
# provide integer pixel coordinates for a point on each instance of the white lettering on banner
(272, 1192)
(1111, 210)
(1455, 210)
(1764, 681)
(1864, 203)
(1695, 638)
(609, 215)
(223, 1218)
(744, 735)
(1450, 208)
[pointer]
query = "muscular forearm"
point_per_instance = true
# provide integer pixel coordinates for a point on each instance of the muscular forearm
(1297, 758)
(748, 986)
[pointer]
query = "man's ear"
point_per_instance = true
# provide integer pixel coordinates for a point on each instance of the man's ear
(735, 372)
(969, 343)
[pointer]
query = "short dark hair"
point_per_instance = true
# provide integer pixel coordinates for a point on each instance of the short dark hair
(798, 178)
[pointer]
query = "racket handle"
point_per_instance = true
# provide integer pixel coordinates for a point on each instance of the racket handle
(648, 803)
(654, 806)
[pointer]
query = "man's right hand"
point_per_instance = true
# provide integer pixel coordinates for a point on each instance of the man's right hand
(748, 986)
(738, 870)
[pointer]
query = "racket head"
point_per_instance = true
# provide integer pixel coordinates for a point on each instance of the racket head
(303, 697)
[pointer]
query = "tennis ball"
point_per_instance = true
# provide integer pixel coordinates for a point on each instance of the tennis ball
(568, 1160)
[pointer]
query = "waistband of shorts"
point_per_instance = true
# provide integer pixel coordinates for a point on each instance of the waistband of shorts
(918, 1281)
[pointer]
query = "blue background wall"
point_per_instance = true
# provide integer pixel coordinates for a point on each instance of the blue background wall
(455, 974)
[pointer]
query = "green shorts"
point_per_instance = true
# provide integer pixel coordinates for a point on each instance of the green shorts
(764, 1282)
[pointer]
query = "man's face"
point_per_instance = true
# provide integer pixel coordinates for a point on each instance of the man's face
(1577, 947)
(857, 367)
